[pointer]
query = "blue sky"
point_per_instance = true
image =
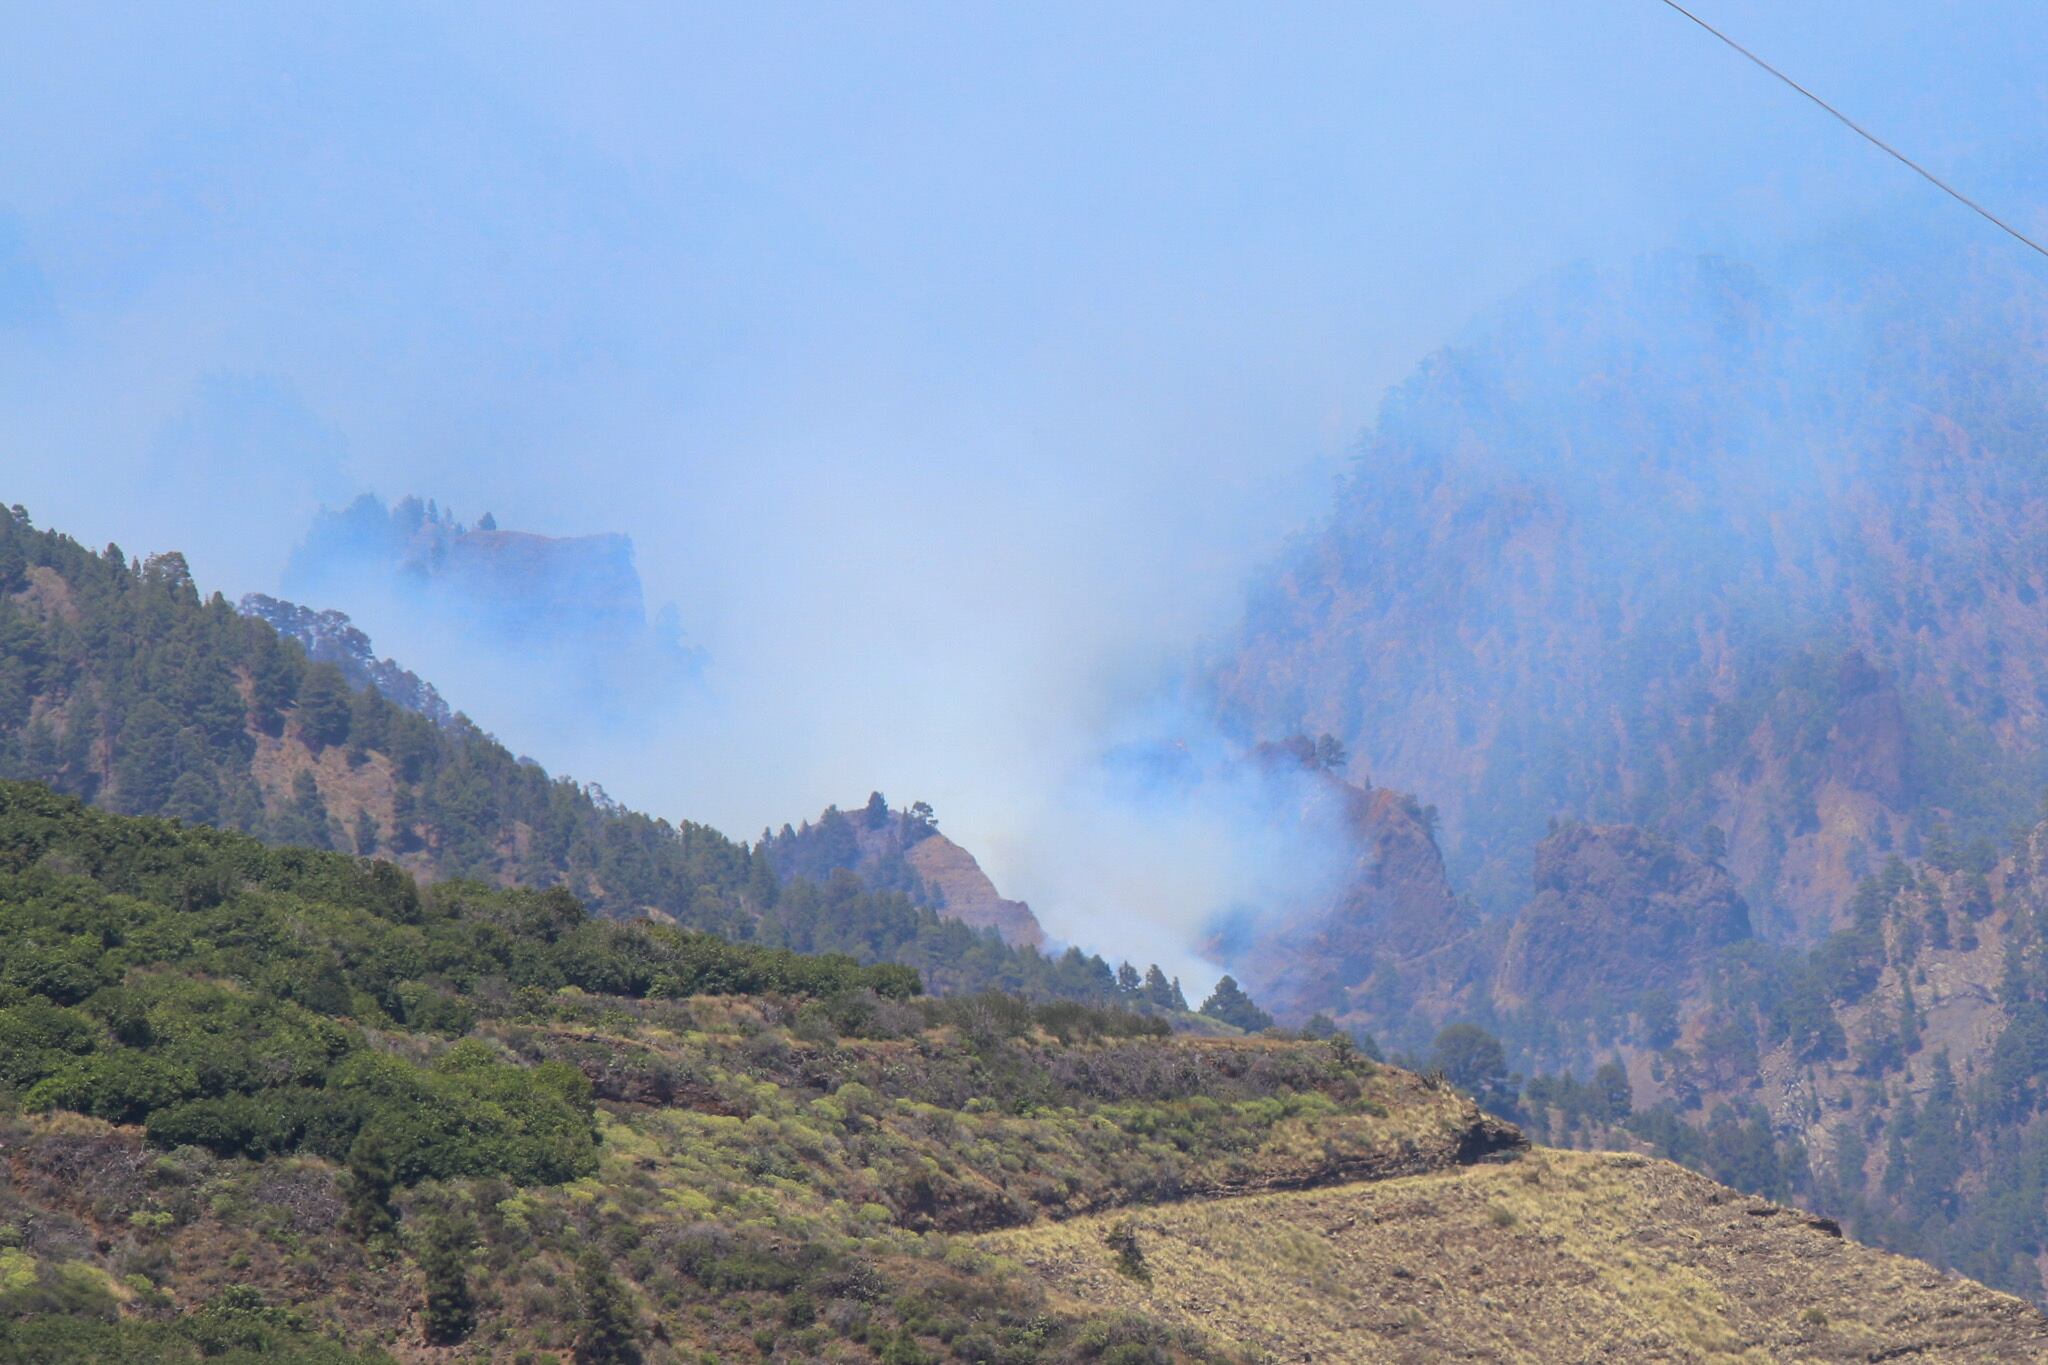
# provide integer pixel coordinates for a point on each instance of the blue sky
(949, 364)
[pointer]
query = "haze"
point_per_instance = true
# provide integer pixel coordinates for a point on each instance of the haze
(950, 370)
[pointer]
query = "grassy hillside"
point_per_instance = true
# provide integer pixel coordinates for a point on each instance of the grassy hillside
(284, 1104)
(1556, 1256)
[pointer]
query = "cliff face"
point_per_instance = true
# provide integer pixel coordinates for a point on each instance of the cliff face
(1695, 545)
(902, 850)
(963, 891)
(520, 583)
(476, 602)
(1394, 925)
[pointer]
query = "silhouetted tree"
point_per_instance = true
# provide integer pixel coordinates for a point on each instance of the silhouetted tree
(1230, 1005)
(372, 1172)
(366, 833)
(1470, 1058)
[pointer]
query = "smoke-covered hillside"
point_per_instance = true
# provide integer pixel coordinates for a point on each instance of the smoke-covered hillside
(473, 603)
(1701, 544)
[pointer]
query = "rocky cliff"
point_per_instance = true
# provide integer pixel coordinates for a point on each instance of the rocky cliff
(1616, 911)
(476, 602)
(902, 850)
(1392, 936)
(962, 891)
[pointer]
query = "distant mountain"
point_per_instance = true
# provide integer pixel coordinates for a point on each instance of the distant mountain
(1695, 545)
(1706, 602)
(568, 611)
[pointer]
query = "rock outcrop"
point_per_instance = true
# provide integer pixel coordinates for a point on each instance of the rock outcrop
(472, 601)
(902, 850)
(1394, 923)
(962, 891)
(1617, 911)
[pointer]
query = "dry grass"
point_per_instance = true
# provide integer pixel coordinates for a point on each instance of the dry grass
(1554, 1257)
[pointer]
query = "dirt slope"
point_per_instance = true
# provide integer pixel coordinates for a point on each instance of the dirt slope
(1553, 1256)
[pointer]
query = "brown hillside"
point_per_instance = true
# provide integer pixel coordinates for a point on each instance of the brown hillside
(1556, 1256)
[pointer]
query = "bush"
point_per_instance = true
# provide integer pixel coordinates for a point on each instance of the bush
(121, 1086)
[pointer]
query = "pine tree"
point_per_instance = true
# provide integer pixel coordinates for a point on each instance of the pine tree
(193, 799)
(763, 886)
(445, 1244)
(608, 1333)
(304, 821)
(1616, 1098)
(326, 707)
(372, 1174)
(1230, 1005)
(146, 762)
(1159, 991)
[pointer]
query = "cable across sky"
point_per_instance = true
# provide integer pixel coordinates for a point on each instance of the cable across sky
(1929, 176)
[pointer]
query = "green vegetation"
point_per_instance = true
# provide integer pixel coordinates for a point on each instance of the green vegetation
(1229, 1004)
(216, 991)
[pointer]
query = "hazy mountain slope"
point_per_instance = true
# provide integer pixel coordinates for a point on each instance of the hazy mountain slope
(473, 601)
(1697, 544)
(1555, 1256)
(1891, 1076)
(329, 637)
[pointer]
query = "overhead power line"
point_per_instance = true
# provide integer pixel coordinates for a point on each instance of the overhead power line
(1853, 126)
